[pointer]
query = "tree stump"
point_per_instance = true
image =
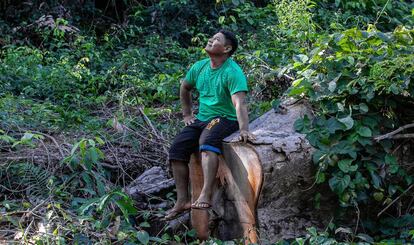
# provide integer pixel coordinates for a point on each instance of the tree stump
(235, 198)
(280, 161)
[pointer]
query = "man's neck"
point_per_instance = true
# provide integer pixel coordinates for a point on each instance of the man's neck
(217, 61)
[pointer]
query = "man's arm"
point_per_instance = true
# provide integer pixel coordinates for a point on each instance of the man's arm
(239, 102)
(186, 102)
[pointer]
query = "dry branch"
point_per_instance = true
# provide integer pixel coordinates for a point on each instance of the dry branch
(393, 133)
(396, 199)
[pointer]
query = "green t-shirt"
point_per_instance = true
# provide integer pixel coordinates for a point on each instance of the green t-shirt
(215, 87)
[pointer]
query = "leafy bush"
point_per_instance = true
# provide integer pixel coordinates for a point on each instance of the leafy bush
(361, 83)
(386, 15)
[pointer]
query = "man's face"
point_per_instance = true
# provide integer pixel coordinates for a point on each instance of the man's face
(217, 44)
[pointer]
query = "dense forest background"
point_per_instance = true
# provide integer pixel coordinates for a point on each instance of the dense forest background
(89, 100)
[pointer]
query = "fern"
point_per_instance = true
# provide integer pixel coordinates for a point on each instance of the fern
(29, 177)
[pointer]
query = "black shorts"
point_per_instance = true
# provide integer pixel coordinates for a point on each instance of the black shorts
(202, 136)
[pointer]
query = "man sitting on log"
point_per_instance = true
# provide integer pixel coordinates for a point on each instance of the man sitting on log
(222, 88)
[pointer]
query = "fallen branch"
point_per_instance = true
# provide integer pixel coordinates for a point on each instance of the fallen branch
(149, 123)
(155, 132)
(393, 133)
(54, 141)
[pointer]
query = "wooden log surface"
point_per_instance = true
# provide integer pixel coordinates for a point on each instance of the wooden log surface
(235, 198)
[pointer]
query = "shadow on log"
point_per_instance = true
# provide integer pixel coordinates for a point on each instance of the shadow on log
(236, 194)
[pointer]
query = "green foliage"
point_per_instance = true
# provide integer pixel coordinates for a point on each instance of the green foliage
(133, 53)
(299, 17)
(385, 14)
(85, 157)
(357, 78)
(123, 201)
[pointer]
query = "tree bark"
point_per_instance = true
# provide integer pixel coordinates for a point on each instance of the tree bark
(236, 194)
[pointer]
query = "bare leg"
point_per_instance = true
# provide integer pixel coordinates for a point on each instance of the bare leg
(180, 172)
(209, 162)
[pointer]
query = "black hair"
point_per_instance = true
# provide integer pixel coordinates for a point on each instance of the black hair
(230, 39)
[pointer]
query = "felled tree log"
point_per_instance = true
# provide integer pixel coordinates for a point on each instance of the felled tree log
(236, 194)
(150, 183)
(283, 157)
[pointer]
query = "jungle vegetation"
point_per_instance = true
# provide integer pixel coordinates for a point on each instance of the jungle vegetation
(89, 100)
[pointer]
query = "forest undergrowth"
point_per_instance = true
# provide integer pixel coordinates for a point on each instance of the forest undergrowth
(89, 101)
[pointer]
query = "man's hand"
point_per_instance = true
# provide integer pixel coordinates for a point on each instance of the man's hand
(246, 136)
(188, 120)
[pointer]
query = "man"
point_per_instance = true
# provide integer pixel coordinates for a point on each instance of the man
(222, 87)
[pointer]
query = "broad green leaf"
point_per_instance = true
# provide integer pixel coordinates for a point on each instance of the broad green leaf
(88, 204)
(339, 184)
(75, 147)
(313, 138)
(376, 180)
(365, 237)
(93, 154)
(88, 181)
(363, 108)
(157, 240)
(347, 121)
(340, 106)
(320, 178)
(221, 20)
(392, 163)
(318, 156)
(302, 124)
(143, 237)
(276, 104)
(99, 185)
(332, 84)
(99, 140)
(365, 141)
(91, 143)
(300, 58)
(145, 224)
(297, 82)
(392, 189)
(293, 91)
(353, 168)
(333, 125)
(308, 73)
(103, 201)
(344, 165)
(390, 159)
(191, 233)
(365, 132)
(126, 208)
(337, 2)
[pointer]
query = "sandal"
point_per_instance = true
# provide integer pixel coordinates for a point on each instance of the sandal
(201, 205)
